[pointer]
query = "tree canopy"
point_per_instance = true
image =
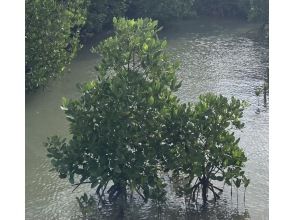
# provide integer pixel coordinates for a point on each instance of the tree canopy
(259, 11)
(161, 9)
(100, 14)
(51, 38)
(223, 8)
(116, 124)
(53, 27)
(129, 130)
(204, 147)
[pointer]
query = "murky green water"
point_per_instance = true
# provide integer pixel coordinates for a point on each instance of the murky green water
(216, 57)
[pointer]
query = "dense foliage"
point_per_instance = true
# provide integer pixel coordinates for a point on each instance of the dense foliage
(253, 10)
(223, 8)
(204, 147)
(51, 38)
(259, 10)
(100, 14)
(128, 129)
(116, 124)
(161, 9)
(53, 26)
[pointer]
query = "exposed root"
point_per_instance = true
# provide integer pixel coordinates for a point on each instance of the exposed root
(204, 183)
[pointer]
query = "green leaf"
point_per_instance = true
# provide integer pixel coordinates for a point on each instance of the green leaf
(151, 100)
(237, 183)
(132, 23)
(246, 181)
(164, 43)
(145, 47)
(228, 182)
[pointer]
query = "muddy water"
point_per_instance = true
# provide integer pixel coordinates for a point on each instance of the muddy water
(216, 56)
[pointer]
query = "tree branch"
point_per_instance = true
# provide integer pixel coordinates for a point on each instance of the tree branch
(78, 184)
(138, 191)
(214, 194)
(216, 187)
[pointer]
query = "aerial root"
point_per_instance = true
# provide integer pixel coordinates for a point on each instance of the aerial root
(195, 191)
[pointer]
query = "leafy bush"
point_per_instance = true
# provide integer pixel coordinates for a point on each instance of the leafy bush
(100, 14)
(128, 129)
(204, 147)
(116, 124)
(51, 38)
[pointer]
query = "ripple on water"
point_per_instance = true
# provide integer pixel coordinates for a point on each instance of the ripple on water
(215, 58)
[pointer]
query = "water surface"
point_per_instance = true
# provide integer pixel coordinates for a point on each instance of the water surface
(216, 56)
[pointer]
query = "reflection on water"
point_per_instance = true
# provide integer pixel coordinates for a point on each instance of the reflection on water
(216, 57)
(135, 210)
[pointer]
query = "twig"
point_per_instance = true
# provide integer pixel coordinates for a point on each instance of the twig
(214, 193)
(216, 187)
(78, 184)
(197, 194)
(138, 191)
(99, 195)
(211, 189)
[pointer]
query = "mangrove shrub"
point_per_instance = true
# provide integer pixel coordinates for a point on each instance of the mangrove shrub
(116, 123)
(51, 38)
(129, 131)
(204, 146)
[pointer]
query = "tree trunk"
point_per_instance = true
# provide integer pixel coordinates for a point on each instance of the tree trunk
(204, 194)
(204, 183)
(264, 95)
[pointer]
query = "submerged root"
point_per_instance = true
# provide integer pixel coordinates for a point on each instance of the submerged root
(205, 186)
